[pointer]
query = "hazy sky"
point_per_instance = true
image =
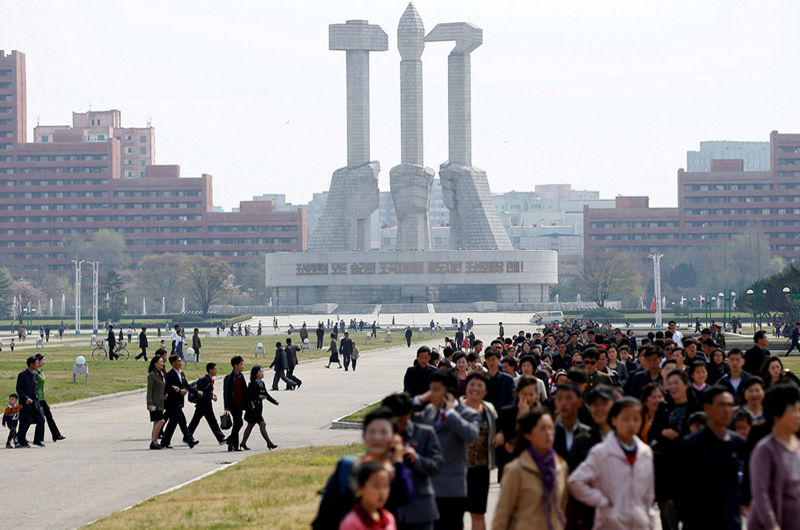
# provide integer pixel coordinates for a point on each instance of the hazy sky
(605, 95)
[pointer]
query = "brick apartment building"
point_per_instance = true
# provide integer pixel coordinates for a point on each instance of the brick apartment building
(714, 205)
(72, 181)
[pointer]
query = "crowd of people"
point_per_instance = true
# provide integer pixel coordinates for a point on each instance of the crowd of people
(587, 429)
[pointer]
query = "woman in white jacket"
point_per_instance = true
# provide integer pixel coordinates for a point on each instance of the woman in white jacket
(617, 477)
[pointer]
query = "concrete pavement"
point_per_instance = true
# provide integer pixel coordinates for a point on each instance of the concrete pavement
(105, 465)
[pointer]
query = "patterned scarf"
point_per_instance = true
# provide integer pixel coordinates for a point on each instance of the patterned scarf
(547, 466)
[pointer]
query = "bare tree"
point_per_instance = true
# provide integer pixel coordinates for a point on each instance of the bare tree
(204, 279)
(606, 275)
(160, 275)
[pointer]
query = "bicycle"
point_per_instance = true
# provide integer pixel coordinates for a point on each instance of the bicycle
(100, 353)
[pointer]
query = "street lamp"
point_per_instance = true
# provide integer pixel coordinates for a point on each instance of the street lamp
(727, 307)
(793, 292)
(657, 285)
(78, 295)
(758, 295)
(705, 302)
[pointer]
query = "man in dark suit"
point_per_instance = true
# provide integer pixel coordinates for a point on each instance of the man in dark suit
(111, 341)
(204, 407)
(714, 453)
(31, 408)
(279, 364)
(755, 356)
(320, 335)
(795, 338)
(459, 339)
(346, 349)
(573, 438)
(409, 335)
(234, 397)
(143, 344)
(423, 456)
(177, 388)
(416, 379)
(291, 363)
(501, 385)
(456, 425)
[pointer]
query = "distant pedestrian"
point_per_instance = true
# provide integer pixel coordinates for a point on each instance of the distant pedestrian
(279, 364)
(196, 344)
(111, 341)
(346, 347)
(320, 335)
(142, 345)
(334, 349)
(409, 334)
(291, 363)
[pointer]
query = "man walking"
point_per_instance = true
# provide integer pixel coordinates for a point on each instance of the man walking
(279, 364)
(755, 356)
(409, 334)
(234, 397)
(31, 408)
(291, 363)
(177, 388)
(204, 407)
(196, 344)
(177, 341)
(346, 349)
(795, 338)
(112, 343)
(143, 344)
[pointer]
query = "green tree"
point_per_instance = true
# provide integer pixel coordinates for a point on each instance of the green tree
(160, 276)
(6, 291)
(252, 277)
(613, 274)
(108, 247)
(204, 279)
(115, 289)
(683, 275)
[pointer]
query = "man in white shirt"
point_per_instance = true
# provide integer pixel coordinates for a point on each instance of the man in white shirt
(677, 336)
(177, 341)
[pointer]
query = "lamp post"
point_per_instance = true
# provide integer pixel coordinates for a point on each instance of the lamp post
(657, 286)
(757, 294)
(706, 301)
(78, 295)
(793, 292)
(727, 306)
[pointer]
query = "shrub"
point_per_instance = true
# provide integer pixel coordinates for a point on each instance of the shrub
(605, 313)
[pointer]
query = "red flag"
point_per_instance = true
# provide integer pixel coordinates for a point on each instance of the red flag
(653, 305)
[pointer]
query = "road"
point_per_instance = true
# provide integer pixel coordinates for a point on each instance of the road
(105, 465)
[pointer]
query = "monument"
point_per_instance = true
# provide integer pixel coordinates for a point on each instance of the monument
(481, 266)
(411, 182)
(474, 222)
(353, 195)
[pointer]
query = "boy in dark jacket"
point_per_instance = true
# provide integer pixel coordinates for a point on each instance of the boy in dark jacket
(204, 407)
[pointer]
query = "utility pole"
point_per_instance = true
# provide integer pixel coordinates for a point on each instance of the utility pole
(78, 295)
(95, 288)
(657, 286)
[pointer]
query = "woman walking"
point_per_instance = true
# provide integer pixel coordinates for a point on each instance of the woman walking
(533, 492)
(257, 392)
(774, 464)
(772, 373)
(156, 394)
(652, 397)
(480, 452)
(334, 349)
(751, 395)
(617, 476)
(51, 423)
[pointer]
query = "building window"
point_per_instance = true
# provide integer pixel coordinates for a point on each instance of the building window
(143, 163)
(143, 139)
(142, 150)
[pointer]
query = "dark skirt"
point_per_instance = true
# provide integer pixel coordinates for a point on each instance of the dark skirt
(334, 358)
(254, 415)
(156, 415)
(477, 489)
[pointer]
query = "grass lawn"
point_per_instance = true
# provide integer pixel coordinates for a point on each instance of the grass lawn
(276, 490)
(359, 415)
(107, 377)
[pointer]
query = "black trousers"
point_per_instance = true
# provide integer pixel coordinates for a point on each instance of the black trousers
(236, 416)
(346, 362)
(792, 347)
(319, 343)
(408, 341)
(451, 513)
(281, 376)
(207, 412)
(176, 419)
(26, 417)
(293, 378)
(353, 362)
(143, 354)
(12, 432)
(414, 526)
(51, 423)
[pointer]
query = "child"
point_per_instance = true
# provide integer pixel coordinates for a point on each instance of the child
(373, 485)
(697, 421)
(617, 476)
(12, 344)
(743, 422)
(10, 419)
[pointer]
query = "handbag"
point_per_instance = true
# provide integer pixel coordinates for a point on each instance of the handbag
(225, 421)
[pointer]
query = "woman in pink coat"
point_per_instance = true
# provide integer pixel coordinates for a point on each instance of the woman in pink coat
(617, 477)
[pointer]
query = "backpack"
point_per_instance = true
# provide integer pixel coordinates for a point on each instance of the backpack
(193, 397)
